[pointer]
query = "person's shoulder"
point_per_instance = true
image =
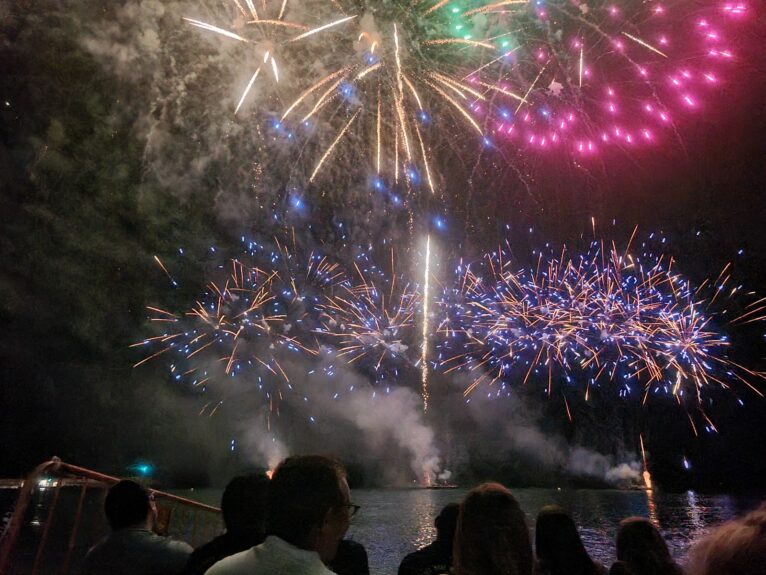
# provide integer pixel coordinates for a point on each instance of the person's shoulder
(423, 560)
(178, 546)
(163, 543)
(428, 553)
(242, 562)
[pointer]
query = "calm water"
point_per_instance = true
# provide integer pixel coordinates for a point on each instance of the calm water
(393, 523)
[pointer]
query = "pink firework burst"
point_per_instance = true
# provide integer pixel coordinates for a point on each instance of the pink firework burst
(603, 73)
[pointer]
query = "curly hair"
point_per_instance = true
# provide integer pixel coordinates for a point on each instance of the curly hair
(735, 547)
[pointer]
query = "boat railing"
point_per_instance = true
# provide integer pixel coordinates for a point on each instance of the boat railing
(58, 516)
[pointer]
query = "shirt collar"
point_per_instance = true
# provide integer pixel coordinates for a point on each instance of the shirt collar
(281, 546)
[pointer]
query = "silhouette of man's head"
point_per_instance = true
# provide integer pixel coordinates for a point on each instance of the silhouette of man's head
(243, 503)
(310, 503)
(127, 504)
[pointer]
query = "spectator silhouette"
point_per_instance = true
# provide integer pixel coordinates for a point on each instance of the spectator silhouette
(351, 559)
(735, 548)
(309, 512)
(492, 536)
(559, 549)
(243, 506)
(641, 550)
(132, 547)
(436, 557)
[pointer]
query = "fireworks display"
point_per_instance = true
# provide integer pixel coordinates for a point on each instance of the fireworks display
(604, 319)
(604, 73)
(246, 322)
(609, 321)
(365, 226)
(371, 321)
(398, 80)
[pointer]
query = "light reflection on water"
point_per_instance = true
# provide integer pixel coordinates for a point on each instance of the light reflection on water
(393, 523)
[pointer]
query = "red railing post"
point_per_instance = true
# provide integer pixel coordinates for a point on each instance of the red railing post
(75, 529)
(47, 528)
(20, 511)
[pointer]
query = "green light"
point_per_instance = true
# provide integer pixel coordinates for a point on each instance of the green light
(455, 10)
(505, 43)
(459, 27)
(467, 37)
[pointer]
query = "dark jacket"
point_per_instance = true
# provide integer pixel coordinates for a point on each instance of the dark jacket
(351, 559)
(430, 560)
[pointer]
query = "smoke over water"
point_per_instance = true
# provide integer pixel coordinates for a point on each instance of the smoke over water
(387, 435)
(512, 427)
(383, 433)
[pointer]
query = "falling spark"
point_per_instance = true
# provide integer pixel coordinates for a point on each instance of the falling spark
(645, 44)
(424, 354)
(437, 6)
(332, 146)
(532, 86)
(490, 7)
(322, 28)
(216, 29)
(247, 90)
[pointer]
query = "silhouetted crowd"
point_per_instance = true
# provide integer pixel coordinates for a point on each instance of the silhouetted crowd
(295, 524)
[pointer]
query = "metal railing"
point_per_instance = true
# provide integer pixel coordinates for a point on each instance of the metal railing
(58, 516)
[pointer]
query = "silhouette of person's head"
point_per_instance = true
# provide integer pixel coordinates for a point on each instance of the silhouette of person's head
(491, 536)
(734, 548)
(243, 503)
(557, 543)
(446, 522)
(641, 547)
(309, 503)
(128, 504)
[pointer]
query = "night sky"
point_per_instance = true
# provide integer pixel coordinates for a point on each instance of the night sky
(117, 144)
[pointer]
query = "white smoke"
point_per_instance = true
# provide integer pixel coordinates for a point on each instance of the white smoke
(520, 434)
(381, 418)
(262, 447)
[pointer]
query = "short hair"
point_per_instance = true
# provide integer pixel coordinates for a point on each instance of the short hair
(735, 547)
(641, 546)
(492, 536)
(446, 521)
(303, 489)
(243, 503)
(127, 504)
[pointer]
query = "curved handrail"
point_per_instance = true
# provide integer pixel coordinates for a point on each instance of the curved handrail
(10, 536)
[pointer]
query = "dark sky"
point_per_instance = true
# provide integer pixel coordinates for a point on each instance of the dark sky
(98, 174)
